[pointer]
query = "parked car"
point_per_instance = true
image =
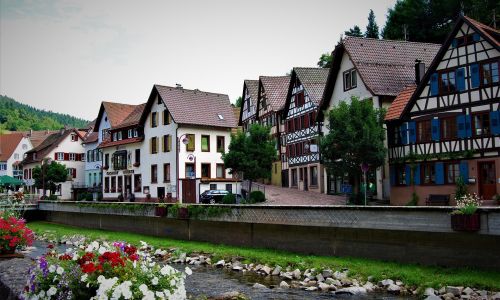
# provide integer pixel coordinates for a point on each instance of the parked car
(213, 196)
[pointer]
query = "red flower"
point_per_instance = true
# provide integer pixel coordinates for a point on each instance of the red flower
(50, 246)
(130, 250)
(134, 257)
(65, 257)
(89, 268)
(111, 257)
(86, 258)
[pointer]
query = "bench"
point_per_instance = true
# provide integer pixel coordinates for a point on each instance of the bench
(437, 200)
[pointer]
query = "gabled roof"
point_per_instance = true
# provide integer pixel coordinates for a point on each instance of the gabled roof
(312, 79)
(116, 113)
(38, 136)
(276, 88)
(133, 118)
(489, 34)
(8, 143)
(253, 90)
(384, 66)
(193, 107)
(48, 144)
(398, 105)
(91, 138)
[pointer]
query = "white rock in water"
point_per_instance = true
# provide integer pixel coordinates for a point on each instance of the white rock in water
(284, 285)
(353, 290)
(386, 282)
(393, 289)
(259, 286)
(220, 263)
(276, 271)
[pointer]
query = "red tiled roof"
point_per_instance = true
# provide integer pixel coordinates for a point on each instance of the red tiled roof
(398, 105)
(314, 81)
(109, 143)
(47, 145)
(492, 33)
(38, 136)
(133, 118)
(91, 137)
(276, 88)
(387, 66)
(253, 90)
(8, 143)
(195, 107)
(117, 112)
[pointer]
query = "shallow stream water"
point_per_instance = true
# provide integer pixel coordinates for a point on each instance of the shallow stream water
(210, 282)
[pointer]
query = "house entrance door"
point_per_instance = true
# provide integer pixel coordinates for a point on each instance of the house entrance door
(306, 182)
(128, 186)
(487, 180)
(188, 190)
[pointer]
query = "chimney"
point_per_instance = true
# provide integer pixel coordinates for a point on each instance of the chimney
(419, 71)
(31, 132)
(178, 86)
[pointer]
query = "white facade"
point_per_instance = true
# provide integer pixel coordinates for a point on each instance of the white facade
(93, 164)
(8, 167)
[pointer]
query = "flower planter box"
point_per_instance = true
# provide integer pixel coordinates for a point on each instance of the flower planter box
(160, 211)
(461, 222)
(183, 213)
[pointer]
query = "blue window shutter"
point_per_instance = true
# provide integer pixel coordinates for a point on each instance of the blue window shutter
(476, 37)
(392, 171)
(412, 137)
(468, 126)
(408, 175)
(435, 129)
(434, 84)
(460, 79)
(439, 173)
(495, 122)
(461, 126)
(404, 134)
(454, 43)
(464, 170)
(474, 76)
(416, 175)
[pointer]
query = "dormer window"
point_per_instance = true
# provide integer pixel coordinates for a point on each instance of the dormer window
(350, 79)
(135, 132)
(119, 135)
(114, 136)
(34, 155)
(129, 133)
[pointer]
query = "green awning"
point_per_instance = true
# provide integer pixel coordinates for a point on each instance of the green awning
(5, 179)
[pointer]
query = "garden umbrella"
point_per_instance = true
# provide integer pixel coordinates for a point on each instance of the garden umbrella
(7, 180)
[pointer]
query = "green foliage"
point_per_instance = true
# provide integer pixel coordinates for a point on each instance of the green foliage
(54, 173)
(202, 211)
(355, 31)
(52, 197)
(325, 61)
(15, 116)
(252, 154)
(229, 199)
(355, 136)
(372, 27)
(413, 157)
(239, 102)
(460, 188)
(414, 200)
(431, 21)
(257, 197)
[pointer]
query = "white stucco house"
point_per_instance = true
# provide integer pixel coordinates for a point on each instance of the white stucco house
(13, 146)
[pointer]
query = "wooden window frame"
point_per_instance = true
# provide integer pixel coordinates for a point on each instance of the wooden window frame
(400, 175)
(352, 83)
(428, 133)
(154, 176)
(485, 115)
(441, 89)
(455, 171)
(423, 167)
(154, 119)
(193, 148)
(208, 142)
(223, 138)
(223, 170)
(166, 171)
(137, 156)
(185, 169)
(154, 145)
(481, 72)
(209, 170)
(453, 129)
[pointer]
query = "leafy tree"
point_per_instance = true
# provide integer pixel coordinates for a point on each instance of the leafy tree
(355, 136)
(431, 21)
(239, 102)
(252, 153)
(325, 61)
(54, 173)
(372, 27)
(355, 31)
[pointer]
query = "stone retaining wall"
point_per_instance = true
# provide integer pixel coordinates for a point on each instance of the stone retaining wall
(396, 234)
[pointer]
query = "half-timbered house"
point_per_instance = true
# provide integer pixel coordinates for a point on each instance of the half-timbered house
(448, 126)
(302, 167)
(372, 70)
(271, 101)
(249, 105)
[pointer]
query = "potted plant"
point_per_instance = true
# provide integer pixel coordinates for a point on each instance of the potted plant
(161, 210)
(465, 217)
(497, 198)
(13, 233)
(179, 210)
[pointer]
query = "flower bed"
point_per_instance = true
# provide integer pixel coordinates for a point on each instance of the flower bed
(13, 232)
(101, 271)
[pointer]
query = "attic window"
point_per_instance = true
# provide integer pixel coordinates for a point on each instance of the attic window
(220, 117)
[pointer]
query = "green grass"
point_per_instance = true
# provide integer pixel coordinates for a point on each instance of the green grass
(410, 274)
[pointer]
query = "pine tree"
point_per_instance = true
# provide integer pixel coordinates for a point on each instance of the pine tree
(372, 27)
(355, 31)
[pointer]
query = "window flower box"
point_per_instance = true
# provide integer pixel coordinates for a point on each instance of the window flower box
(462, 222)
(161, 210)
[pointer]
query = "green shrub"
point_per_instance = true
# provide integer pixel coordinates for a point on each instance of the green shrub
(257, 196)
(81, 196)
(53, 197)
(414, 200)
(89, 196)
(461, 188)
(229, 199)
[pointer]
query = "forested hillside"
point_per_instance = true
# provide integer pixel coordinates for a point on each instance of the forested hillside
(15, 116)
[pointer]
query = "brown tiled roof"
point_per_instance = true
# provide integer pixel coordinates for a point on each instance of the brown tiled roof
(492, 33)
(47, 145)
(386, 66)
(38, 136)
(117, 112)
(398, 105)
(133, 118)
(314, 81)
(276, 88)
(109, 143)
(8, 143)
(195, 107)
(253, 90)
(91, 137)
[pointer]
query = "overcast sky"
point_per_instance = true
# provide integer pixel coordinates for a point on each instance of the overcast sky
(68, 56)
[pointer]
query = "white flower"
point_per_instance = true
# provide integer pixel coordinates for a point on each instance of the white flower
(160, 295)
(101, 278)
(188, 271)
(51, 292)
(102, 250)
(84, 277)
(149, 295)
(89, 248)
(52, 268)
(166, 270)
(95, 244)
(154, 281)
(75, 256)
(143, 288)
(59, 270)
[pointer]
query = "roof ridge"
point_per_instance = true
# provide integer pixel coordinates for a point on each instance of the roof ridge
(389, 41)
(190, 90)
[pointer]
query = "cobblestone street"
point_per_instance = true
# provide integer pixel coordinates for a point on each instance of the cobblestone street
(287, 196)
